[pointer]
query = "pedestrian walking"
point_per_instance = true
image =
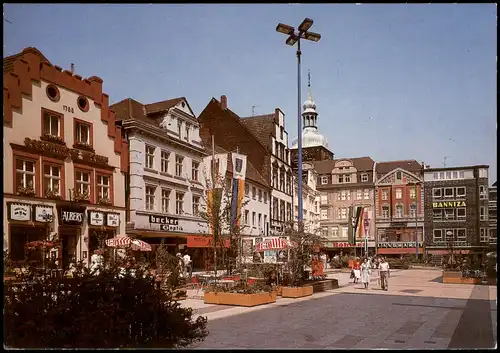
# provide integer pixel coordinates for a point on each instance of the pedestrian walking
(384, 274)
(323, 259)
(365, 272)
(357, 270)
(188, 265)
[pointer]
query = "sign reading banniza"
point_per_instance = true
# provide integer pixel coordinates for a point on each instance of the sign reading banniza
(448, 204)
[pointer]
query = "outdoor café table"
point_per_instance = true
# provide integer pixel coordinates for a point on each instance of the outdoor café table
(226, 283)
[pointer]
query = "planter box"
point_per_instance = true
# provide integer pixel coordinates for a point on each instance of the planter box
(239, 299)
(323, 286)
(454, 277)
(279, 290)
(296, 292)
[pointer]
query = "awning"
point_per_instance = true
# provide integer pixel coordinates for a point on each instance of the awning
(274, 244)
(124, 241)
(196, 241)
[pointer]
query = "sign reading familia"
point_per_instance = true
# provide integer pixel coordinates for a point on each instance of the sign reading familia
(448, 204)
(399, 244)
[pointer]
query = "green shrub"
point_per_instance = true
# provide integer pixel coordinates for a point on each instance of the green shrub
(101, 311)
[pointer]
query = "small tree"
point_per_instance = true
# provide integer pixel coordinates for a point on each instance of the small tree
(219, 202)
(300, 253)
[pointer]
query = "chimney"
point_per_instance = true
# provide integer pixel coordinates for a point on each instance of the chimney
(72, 68)
(223, 102)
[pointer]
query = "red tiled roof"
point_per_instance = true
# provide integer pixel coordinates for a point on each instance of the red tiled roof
(360, 163)
(8, 62)
(410, 165)
(162, 106)
(262, 126)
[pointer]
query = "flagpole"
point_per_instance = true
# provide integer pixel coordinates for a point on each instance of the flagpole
(212, 205)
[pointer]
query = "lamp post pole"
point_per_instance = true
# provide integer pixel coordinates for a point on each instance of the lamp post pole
(416, 221)
(295, 37)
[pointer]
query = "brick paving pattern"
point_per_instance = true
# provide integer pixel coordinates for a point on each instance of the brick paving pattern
(416, 312)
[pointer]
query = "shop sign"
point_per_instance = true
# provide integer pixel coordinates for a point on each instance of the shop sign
(164, 220)
(170, 228)
(96, 218)
(399, 244)
(20, 212)
(346, 245)
(71, 216)
(44, 214)
(113, 219)
(449, 204)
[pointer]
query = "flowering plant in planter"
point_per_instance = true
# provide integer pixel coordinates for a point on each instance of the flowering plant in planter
(52, 194)
(84, 146)
(78, 196)
(104, 201)
(52, 138)
(26, 191)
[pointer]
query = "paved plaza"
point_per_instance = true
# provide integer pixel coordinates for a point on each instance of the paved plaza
(416, 312)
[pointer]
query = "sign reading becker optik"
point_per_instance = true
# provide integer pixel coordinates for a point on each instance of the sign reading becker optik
(166, 223)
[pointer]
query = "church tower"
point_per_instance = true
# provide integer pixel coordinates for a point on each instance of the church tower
(314, 144)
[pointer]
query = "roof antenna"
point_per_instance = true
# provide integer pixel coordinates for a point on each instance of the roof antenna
(253, 109)
(72, 68)
(309, 96)
(444, 161)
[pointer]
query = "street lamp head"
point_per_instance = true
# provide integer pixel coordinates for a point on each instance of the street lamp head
(285, 29)
(292, 40)
(315, 37)
(305, 25)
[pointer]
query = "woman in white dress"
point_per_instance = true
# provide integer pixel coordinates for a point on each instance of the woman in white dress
(365, 272)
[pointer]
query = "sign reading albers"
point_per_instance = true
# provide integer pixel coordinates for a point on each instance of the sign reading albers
(166, 223)
(71, 216)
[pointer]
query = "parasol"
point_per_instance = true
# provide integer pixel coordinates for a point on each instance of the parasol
(124, 242)
(274, 244)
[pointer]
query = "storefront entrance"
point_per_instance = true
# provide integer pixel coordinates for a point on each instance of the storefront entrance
(69, 239)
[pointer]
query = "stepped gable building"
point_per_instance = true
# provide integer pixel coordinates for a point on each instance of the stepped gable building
(166, 177)
(456, 211)
(343, 183)
(314, 144)
(64, 160)
(399, 193)
(264, 140)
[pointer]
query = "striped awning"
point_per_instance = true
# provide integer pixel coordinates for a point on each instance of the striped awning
(124, 242)
(274, 244)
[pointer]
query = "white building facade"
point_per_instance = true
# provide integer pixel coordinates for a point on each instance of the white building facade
(166, 180)
(311, 200)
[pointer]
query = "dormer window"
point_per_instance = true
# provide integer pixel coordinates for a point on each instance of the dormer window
(324, 180)
(398, 175)
(364, 178)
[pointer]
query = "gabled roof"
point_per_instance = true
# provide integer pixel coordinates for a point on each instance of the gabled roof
(163, 106)
(8, 62)
(262, 126)
(360, 163)
(131, 109)
(251, 174)
(235, 116)
(410, 165)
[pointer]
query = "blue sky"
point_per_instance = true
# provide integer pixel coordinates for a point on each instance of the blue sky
(390, 81)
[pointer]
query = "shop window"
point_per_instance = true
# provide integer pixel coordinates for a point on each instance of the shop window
(25, 174)
(19, 236)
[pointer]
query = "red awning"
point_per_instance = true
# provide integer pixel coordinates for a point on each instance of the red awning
(197, 241)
